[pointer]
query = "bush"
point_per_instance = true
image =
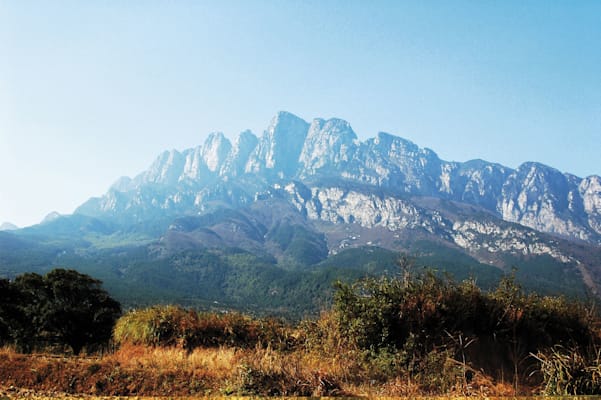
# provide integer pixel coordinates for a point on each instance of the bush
(431, 316)
(188, 329)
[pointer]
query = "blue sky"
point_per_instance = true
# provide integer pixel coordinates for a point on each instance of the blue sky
(93, 90)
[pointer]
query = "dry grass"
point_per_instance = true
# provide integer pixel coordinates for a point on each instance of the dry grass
(136, 370)
(240, 371)
(7, 351)
(218, 362)
(304, 371)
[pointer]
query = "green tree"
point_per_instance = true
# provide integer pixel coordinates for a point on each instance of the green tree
(82, 313)
(66, 307)
(11, 319)
(30, 302)
(5, 321)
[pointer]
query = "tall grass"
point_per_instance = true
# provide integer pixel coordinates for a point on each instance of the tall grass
(568, 372)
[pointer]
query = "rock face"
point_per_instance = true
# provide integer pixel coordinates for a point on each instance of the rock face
(545, 199)
(324, 172)
(236, 160)
(329, 147)
(590, 193)
(277, 153)
(387, 167)
(165, 170)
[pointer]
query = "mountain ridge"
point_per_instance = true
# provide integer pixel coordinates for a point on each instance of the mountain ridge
(534, 195)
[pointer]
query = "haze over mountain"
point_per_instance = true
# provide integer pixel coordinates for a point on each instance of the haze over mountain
(316, 166)
(291, 205)
(7, 226)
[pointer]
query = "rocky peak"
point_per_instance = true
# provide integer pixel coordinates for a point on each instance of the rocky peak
(409, 167)
(590, 189)
(215, 150)
(279, 148)
(122, 184)
(52, 216)
(479, 182)
(401, 151)
(243, 146)
(205, 161)
(164, 170)
(590, 192)
(541, 197)
(329, 145)
(389, 142)
(534, 183)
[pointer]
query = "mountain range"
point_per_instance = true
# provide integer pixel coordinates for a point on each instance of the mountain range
(271, 220)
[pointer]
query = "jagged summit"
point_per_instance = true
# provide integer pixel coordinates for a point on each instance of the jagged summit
(236, 160)
(328, 151)
(278, 149)
(329, 145)
(52, 216)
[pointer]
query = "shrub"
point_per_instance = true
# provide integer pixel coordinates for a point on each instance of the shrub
(154, 326)
(428, 315)
(188, 329)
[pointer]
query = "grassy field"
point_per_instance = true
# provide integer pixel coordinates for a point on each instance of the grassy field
(223, 371)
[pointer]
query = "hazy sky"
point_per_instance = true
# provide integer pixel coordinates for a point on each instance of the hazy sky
(93, 90)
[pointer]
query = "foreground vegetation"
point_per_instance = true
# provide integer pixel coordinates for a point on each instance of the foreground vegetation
(413, 334)
(63, 309)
